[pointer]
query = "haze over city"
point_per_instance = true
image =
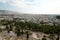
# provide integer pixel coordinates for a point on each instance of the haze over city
(31, 6)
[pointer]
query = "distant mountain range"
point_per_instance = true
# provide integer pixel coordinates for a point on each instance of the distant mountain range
(30, 17)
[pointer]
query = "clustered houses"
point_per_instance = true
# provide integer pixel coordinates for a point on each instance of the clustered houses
(10, 18)
(6, 17)
(19, 19)
(48, 20)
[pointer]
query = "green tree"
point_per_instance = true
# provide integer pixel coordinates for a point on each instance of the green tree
(27, 33)
(57, 38)
(52, 36)
(44, 38)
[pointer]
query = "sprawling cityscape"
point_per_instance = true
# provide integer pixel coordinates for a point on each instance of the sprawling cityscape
(29, 19)
(15, 26)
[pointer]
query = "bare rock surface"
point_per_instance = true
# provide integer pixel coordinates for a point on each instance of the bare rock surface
(12, 36)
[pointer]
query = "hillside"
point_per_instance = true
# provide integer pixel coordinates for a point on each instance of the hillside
(33, 26)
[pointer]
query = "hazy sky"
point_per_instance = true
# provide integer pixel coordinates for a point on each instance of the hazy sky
(32, 6)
